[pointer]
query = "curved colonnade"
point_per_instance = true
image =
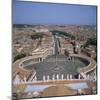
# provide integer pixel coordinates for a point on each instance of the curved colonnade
(29, 75)
(90, 67)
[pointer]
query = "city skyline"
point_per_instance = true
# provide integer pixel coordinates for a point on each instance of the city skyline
(51, 13)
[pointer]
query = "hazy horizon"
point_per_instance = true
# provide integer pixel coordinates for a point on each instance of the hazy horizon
(53, 24)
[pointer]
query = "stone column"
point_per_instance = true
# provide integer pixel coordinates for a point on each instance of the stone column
(67, 76)
(44, 78)
(57, 76)
(62, 76)
(48, 77)
(79, 77)
(53, 77)
(70, 76)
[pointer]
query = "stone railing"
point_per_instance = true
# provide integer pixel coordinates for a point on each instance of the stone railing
(31, 75)
(90, 67)
(55, 78)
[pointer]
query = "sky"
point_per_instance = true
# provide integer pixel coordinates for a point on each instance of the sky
(50, 13)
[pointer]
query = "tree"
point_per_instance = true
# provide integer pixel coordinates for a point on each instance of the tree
(63, 34)
(36, 35)
(19, 56)
(90, 41)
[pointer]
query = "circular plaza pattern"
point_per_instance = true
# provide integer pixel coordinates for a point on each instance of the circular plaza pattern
(54, 66)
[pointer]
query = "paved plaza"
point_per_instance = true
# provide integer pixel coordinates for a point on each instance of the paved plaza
(52, 67)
